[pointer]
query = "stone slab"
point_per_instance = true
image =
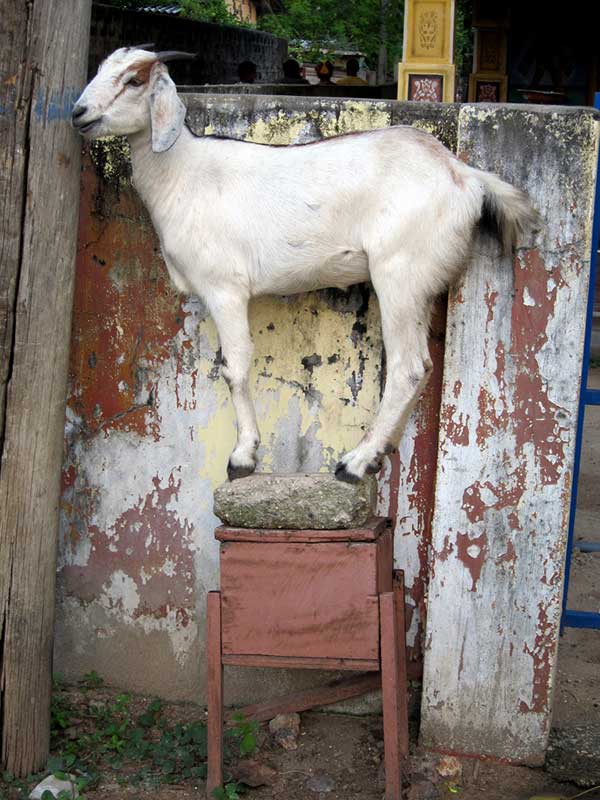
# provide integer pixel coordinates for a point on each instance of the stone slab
(296, 502)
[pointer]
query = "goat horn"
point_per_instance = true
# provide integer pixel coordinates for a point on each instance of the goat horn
(173, 55)
(147, 46)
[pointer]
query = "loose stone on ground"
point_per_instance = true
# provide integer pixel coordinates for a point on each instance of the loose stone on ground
(286, 729)
(320, 783)
(55, 786)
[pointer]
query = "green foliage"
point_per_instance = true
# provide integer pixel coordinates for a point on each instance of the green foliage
(93, 735)
(244, 733)
(202, 10)
(329, 26)
(210, 11)
(228, 792)
(152, 751)
(463, 36)
(91, 680)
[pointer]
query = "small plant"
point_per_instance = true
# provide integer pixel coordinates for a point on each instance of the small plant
(228, 792)
(95, 735)
(91, 680)
(244, 732)
(143, 750)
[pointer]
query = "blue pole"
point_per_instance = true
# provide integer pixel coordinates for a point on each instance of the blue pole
(583, 392)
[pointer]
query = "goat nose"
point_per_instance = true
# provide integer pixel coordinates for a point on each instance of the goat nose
(78, 111)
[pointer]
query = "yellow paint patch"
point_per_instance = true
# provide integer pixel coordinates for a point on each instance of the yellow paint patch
(357, 116)
(282, 129)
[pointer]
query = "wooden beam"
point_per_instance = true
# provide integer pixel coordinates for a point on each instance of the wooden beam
(309, 698)
(43, 57)
(289, 662)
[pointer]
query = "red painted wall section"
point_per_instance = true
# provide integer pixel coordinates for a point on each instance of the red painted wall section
(407, 488)
(130, 558)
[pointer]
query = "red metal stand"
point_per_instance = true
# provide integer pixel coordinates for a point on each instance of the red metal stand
(314, 600)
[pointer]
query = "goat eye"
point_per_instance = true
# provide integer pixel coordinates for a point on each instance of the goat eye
(134, 82)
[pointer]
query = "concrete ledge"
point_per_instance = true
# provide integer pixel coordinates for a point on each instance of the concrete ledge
(297, 501)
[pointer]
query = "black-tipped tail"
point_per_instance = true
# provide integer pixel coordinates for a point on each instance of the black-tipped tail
(506, 213)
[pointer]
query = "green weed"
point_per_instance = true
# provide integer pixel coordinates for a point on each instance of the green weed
(92, 737)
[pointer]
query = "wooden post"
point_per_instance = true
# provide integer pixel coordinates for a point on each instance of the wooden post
(214, 683)
(393, 688)
(43, 56)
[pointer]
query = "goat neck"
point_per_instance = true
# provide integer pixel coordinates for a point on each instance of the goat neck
(158, 176)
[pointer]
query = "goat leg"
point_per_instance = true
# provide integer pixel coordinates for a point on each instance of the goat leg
(230, 314)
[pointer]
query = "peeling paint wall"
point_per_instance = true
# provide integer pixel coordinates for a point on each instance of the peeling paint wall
(508, 420)
(150, 424)
(150, 427)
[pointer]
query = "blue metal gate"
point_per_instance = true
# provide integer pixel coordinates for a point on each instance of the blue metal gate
(587, 397)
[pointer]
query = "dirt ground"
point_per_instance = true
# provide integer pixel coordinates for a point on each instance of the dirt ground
(342, 750)
(348, 750)
(577, 695)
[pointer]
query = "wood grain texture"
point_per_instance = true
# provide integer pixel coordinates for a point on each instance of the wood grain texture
(385, 562)
(214, 683)
(309, 600)
(393, 687)
(508, 417)
(43, 53)
(300, 662)
(371, 531)
(399, 589)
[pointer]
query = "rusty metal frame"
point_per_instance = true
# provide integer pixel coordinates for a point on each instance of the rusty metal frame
(587, 397)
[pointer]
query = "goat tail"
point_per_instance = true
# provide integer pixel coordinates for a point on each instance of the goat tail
(506, 212)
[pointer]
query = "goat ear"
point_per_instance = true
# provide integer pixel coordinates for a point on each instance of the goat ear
(167, 112)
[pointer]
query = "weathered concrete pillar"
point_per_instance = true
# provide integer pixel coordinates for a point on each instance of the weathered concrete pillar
(509, 410)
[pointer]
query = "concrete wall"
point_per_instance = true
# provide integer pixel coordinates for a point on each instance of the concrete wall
(384, 91)
(220, 48)
(150, 424)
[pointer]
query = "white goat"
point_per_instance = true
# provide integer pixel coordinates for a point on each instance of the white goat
(237, 219)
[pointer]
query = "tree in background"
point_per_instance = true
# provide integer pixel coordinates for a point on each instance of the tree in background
(314, 29)
(371, 27)
(202, 10)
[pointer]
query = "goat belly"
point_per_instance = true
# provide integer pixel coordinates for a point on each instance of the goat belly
(343, 269)
(309, 270)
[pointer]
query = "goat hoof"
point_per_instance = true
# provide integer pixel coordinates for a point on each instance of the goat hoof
(241, 471)
(342, 474)
(374, 467)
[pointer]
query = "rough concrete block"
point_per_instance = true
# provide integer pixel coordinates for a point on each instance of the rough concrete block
(574, 755)
(298, 501)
